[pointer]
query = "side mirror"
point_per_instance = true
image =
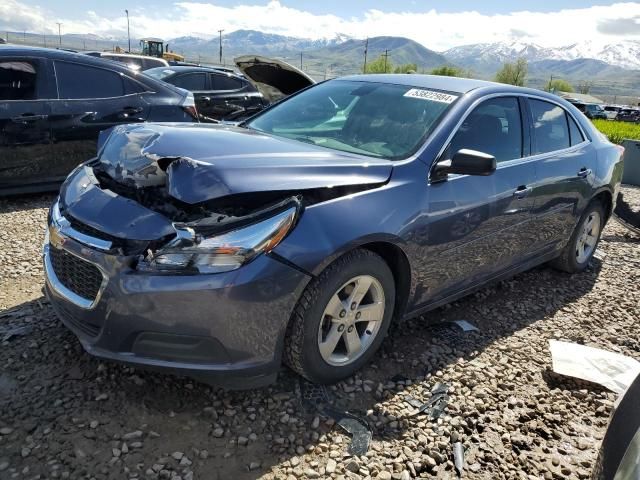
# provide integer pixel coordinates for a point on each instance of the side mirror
(466, 162)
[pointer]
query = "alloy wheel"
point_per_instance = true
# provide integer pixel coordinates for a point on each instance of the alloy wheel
(351, 320)
(588, 237)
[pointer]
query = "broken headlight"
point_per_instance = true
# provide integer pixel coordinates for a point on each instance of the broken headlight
(191, 252)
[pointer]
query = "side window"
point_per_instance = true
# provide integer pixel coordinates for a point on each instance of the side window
(494, 127)
(191, 81)
(550, 127)
(77, 81)
(131, 86)
(224, 82)
(574, 132)
(17, 80)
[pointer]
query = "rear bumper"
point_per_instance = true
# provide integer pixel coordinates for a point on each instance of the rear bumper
(226, 329)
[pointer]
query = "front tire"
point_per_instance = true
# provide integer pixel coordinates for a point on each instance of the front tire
(583, 243)
(341, 318)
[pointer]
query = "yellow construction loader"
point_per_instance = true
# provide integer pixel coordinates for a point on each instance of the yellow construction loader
(154, 47)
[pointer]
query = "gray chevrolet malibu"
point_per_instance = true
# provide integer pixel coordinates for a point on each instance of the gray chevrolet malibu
(299, 236)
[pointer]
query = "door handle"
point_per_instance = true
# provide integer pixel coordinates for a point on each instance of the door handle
(522, 191)
(205, 99)
(28, 117)
(584, 172)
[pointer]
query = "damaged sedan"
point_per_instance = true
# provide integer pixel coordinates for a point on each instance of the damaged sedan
(299, 236)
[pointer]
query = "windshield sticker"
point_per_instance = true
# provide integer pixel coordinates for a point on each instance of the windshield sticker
(431, 95)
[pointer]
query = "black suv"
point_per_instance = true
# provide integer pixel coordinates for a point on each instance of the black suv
(219, 94)
(55, 104)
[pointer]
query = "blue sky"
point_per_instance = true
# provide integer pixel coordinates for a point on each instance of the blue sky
(437, 24)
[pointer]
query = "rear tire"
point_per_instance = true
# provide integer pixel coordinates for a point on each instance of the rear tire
(575, 257)
(341, 318)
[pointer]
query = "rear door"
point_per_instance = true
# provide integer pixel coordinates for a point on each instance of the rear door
(235, 95)
(26, 84)
(91, 99)
(198, 84)
(481, 226)
(565, 164)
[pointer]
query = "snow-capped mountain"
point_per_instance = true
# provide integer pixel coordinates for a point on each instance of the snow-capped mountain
(625, 54)
(243, 41)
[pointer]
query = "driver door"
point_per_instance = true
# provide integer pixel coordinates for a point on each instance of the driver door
(480, 226)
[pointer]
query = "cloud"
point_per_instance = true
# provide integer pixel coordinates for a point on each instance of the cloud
(620, 26)
(434, 29)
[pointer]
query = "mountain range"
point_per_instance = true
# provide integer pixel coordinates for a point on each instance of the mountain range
(613, 68)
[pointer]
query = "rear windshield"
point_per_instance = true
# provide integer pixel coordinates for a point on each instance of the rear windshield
(375, 119)
(159, 73)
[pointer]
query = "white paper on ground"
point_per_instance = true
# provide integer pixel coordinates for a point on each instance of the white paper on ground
(611, 370)
(466, 326)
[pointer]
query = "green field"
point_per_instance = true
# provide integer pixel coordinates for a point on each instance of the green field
(618, 131)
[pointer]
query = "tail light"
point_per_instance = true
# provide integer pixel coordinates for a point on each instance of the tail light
(189, 106)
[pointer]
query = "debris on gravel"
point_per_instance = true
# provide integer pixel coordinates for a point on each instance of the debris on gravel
(64, 414)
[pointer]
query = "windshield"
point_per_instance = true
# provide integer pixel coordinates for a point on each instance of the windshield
(159, 73)
(374, 119)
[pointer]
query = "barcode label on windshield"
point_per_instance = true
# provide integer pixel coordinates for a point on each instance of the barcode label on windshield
(430, 95)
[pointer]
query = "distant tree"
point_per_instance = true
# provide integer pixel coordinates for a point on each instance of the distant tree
(559, 85)
(450, 71)
(378, 66)
(513, 73)
(585, 87)
(406, 68)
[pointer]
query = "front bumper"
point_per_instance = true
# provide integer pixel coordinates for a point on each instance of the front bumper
(226, 329)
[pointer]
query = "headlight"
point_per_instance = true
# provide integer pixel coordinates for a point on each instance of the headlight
(191, 252)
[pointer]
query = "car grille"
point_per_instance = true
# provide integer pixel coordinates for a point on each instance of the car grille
(79, 276)
(89, 230)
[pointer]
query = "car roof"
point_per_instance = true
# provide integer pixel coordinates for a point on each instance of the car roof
(13, 50)
(191, 68)
(448, 84)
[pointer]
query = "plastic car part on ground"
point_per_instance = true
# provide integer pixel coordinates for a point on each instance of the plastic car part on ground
(611, 370)
(626, 212)
(435, 406)
(315, 398)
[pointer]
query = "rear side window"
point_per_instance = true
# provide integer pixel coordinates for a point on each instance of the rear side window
(17, 80)
(224, 82)
(191, 81)
(494, 127)
(550, 127)
(574, 132)
(77, 81)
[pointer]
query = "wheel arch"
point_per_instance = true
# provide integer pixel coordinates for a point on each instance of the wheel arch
(605, 197)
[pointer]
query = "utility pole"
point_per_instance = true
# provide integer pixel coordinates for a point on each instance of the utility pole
(550, 82)
(220, 32)
(59, 34)
(44, 39)
(300, 60)
(128, 31)
(385, 55)
(366, 48)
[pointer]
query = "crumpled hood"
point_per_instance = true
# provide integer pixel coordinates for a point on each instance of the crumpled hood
(274, 78)
(200, 162)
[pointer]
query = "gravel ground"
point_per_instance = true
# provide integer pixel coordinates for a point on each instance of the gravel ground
(64, 414)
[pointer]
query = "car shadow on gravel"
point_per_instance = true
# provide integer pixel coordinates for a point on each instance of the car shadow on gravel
(72, 410)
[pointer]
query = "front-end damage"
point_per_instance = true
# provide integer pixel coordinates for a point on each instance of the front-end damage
(204, 210)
